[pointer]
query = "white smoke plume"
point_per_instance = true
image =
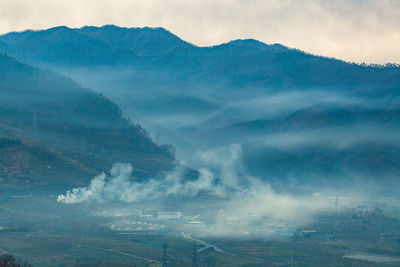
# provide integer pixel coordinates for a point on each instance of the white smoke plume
(227, 161)
(119, 187)
(254, 210)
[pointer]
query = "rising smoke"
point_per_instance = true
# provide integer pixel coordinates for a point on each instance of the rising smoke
(119, 187)
(235, 212)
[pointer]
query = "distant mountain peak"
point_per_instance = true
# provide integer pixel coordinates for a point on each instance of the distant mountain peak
(130, 30)
(59, 28)
(252, 44)
(61, 32)
(144, 41)
(249, 41)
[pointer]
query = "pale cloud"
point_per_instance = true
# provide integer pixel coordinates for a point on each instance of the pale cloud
(354, 30)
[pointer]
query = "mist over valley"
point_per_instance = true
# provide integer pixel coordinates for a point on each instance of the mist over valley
(115, 140)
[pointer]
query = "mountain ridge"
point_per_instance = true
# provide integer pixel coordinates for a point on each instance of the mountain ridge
(238, 63)
(16, 36)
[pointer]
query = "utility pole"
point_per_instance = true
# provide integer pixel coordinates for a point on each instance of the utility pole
(34, 125)
(194, 261)
(336, 203)
(165, 255)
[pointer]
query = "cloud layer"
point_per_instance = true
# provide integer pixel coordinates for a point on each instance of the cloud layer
(354, 30)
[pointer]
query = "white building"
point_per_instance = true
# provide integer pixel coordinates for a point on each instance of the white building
(165, 215)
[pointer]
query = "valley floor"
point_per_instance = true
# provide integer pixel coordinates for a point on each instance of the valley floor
(45, 237)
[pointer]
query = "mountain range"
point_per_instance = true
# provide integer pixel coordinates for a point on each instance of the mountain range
(238, 63)
(295, 115)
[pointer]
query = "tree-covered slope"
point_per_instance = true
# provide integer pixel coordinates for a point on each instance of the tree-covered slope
(48, 110)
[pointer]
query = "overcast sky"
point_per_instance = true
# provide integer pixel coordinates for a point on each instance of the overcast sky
(353, 30)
